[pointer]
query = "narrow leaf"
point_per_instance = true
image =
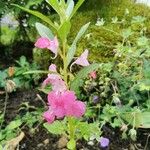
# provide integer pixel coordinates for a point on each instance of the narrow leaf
(69, 8)
(38, 72)
(56, 6)
(77, 6)
(44, 31)
(37, 14)
(72, 49)
(64, 30)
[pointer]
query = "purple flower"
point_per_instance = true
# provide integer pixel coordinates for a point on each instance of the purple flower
(104, 142)
(95, 98)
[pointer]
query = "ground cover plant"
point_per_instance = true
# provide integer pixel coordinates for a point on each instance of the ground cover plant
(86, 101)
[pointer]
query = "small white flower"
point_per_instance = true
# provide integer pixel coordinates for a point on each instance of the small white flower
(114, 20)
(100, 22)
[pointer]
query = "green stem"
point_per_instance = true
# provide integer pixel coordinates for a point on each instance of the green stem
(71, 130)
(65, 61)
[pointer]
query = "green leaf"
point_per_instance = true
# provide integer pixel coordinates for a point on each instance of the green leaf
(126, 33)
(37, 72)
(1, 147)
(37, 14)
(88, 130)
(31, 3)
(56, 6)
(77, 6)
(71, 144)
(64, 30)
(145, 120)
(57, 127)
(72, 49)
(70, 7)
(142, 41)
(14, 124)
(75, 84)
(44, 31)
(133, 118)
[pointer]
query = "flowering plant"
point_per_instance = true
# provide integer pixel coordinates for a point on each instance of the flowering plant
(62, 101)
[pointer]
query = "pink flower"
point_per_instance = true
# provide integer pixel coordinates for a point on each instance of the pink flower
(57, 101)
(42, 42)
(52, 68)
(49, 116)
(82, 60)
(52, 45)
(76, 109)
(58, 85)
(65, 104)
(57, 104)
(93, 75)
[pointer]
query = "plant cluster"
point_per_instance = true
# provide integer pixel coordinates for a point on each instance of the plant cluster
(14, 77)
(115, 93)
(121, 90)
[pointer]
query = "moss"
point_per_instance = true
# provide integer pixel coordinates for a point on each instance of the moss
(101, 42)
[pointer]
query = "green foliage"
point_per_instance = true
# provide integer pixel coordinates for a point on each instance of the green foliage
(58, 127)
(25, 31)
(21, 79)
(145, 119)
(73, 47)
(88, 130)
(8, 35)
(10, 131)
(16, 74)
(44, 31)
(99, 41)
(71, 144)
(29, 120)
(77, 82)
(37, 14)
(123, 83)
(82, 130)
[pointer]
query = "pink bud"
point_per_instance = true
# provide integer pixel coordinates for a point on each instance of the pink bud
(93, 75)
(52, 67)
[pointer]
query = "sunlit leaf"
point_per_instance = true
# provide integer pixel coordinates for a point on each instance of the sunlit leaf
(44, 31)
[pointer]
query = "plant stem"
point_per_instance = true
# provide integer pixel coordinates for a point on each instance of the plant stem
(71, 130)
(5, 105)
(65, 61)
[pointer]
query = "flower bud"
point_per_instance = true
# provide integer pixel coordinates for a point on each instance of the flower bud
(10, 86)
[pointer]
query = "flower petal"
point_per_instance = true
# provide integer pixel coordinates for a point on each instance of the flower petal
(54, 46)
(49, 116)
(74, 107)
(52, 67)
(82, 60)
(104, 142)
(42, 42)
